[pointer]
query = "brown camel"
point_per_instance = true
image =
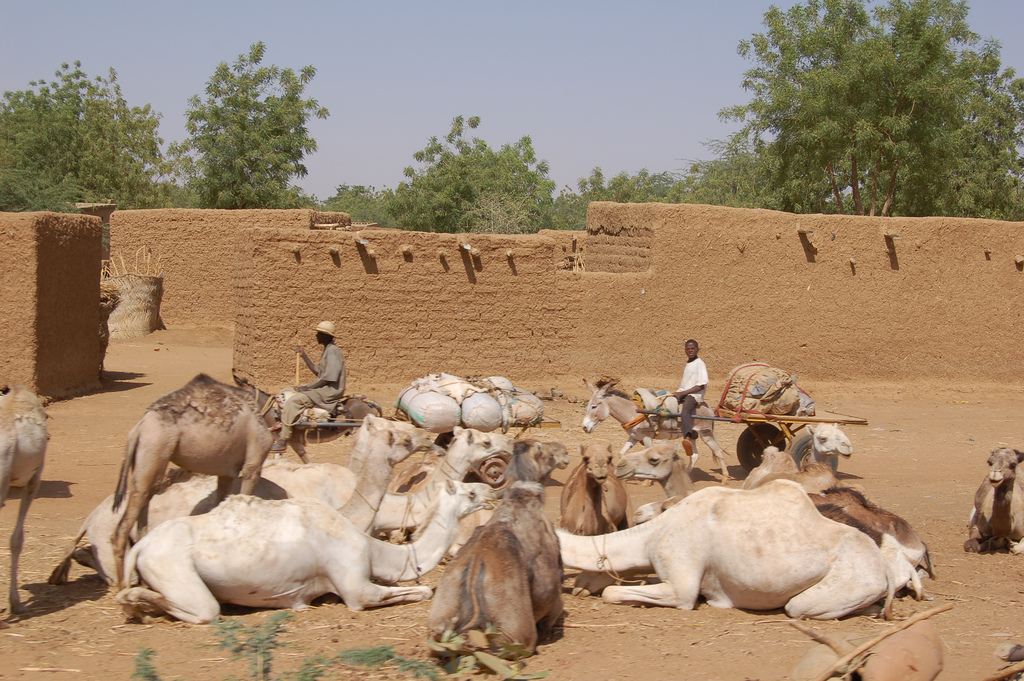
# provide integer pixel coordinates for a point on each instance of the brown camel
(594, 501)
(508, 576)
(205, 427)
(997, 520)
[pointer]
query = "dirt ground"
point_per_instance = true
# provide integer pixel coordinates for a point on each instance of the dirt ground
(922, 456)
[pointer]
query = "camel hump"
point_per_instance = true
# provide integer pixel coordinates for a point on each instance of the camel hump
(203, 397)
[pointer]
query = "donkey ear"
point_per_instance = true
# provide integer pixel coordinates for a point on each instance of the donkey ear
(593, 388)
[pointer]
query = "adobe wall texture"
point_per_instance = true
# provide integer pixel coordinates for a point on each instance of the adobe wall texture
(49, 302)
(842, 303)
(402, 315)
(195, 250)
(941, 301)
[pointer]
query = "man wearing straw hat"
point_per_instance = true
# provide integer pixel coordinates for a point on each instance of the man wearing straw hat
(325, 392)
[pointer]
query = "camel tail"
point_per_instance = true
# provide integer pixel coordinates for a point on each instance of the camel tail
(890, 593)
(61, 572)
(927, 561)
(127, 466)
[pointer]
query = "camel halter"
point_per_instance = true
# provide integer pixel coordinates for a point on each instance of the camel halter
(602, 559)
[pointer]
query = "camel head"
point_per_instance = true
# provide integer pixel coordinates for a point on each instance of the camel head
(653, 463)
(471, 447)
(395, 440)
(598, 460)
(829, 440)
(1003, 466)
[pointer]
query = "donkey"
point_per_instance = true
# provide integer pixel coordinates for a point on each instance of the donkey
(606, 401)
(205, 427)
(353, 408)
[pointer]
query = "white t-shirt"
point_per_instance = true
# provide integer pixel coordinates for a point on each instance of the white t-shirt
(695, 373)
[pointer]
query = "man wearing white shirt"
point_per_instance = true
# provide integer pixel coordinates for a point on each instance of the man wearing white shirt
(691, 388)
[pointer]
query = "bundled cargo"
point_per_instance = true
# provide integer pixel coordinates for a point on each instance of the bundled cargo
(439, 402)
(762, 389)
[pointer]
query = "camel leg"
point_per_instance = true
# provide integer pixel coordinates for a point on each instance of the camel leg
(223, 488)
(138, 501)
(139, 602)
(18, 539)
(256, 450)
(663, 594)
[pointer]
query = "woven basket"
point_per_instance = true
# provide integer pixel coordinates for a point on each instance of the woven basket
(138, 310)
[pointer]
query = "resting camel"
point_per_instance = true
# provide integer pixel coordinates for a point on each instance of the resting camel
(404, 512)
(828, 443)
(531, 461)
(593, 501)
(22, 454)
(760, 549)
(664, 462)
(378, 445)
(606, 400)
(205, 427)
(997, 520)
(850, 507)
(295, 551)
(508, 575)
(815, 477)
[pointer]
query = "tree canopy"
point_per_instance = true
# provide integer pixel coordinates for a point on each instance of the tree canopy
(76, 139)
(464, 185)
(248, 136)
(881, 112)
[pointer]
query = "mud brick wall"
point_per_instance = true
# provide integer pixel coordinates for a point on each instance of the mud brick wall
(942, 299)
(405, 303)
(195, 251)
(49, 302)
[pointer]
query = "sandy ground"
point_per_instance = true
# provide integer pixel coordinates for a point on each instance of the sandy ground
(922, 456)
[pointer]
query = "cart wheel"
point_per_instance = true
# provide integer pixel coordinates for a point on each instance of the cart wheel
(800, 447)
(749, 445)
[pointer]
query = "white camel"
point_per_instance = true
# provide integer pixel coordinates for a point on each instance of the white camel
(22, 454)
(759, 550)
(377, 446)
(405, 512)
(205, 427)
(281, 554)
(827, 444)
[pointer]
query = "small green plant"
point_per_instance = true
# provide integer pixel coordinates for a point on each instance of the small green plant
(380, 655)
(255, 644)
(144, 669)
(468, 654)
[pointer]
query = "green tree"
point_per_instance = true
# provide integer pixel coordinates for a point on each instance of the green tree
(248, 137)
(464, 185)
(364, 204)
(76, 139)
(570, 208)
(873, 113)
(731, 178)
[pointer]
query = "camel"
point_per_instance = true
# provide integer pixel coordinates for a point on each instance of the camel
(295, 551)
(663, 462)
(205, 427)
(378, 445)
(399, 513)
(900, 545)
(531, 461)
(22, 454)
(508, 575)
(828, 443)
(815, 477)
(606, 400)
(352, 408)
(997, 519)
(594, 502)
(760, 549)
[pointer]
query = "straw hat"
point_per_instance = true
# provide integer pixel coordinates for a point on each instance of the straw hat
(326, 327)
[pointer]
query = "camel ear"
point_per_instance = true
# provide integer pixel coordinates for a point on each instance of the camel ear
(1020, 455)
(580, 449)
(648, 442)
(450, 486)
(676, 448)
(372, 423)
(810, 429)
(457, 430)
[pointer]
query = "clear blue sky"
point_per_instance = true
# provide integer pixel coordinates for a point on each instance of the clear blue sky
(619, 85)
